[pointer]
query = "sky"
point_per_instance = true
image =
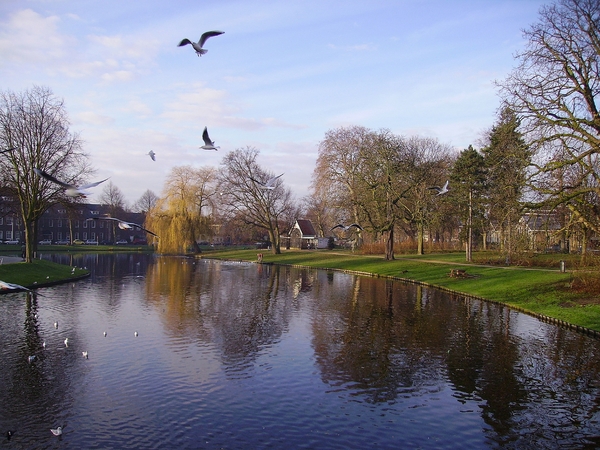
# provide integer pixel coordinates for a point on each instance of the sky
(282, 75)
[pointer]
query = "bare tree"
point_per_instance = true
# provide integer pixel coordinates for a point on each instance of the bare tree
(380, 180)
(246, 198)
(337, 172)
(554, 90)
(146, 202)
(35, 125)
(113, 198)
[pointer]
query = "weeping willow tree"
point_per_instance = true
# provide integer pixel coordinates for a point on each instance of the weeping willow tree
(183, 214)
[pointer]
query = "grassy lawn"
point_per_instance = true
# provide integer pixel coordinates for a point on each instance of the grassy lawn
(39, 272)
(536, 290)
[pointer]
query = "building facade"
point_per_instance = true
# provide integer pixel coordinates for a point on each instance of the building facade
(63, 225)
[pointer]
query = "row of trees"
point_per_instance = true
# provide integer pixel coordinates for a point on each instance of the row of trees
(541, 153)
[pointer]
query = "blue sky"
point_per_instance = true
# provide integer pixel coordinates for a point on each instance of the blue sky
(283, 74)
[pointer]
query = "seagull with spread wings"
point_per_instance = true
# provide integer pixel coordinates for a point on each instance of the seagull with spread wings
(123, 225)
(269, 184)
(70, 190)
(441, 190)
(208, 144)
(198, 46)
(346, 228)
(152, 155)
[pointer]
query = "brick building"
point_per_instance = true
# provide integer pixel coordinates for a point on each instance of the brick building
(61, 224)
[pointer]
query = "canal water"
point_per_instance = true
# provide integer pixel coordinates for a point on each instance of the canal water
(208, 354)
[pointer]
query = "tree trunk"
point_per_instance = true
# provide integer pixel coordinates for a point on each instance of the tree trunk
(30, 240)
(420, 239)
(389, 245)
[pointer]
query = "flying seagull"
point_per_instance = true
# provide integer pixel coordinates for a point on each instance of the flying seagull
(70, 190)
(346, 228)
(198, 45)
(85, 354)
(269, 184)
(208, 144)
(152, 155)
(56, 431)
(124, 225)
(441, 190)
(13, 287)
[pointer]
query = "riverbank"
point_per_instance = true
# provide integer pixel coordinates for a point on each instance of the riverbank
(39, 273)
(543, 292)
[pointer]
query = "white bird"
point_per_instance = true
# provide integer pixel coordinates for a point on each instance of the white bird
(66, 342)
(85, 354)
(105, 334)
(269, 184)
(135, 333)
(441, 190)
(44, 344)
(123, 225)
(152, 155)
(208, 144)
(12, 286)
(198, 45)
(346, 228)
(70, 190)
(30, 359)
(55, 324)
(56, 431)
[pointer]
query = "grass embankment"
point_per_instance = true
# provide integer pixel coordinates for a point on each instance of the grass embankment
(39, 273)
(541, 291)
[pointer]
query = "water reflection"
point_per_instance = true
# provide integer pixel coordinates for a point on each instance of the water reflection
(233, 355)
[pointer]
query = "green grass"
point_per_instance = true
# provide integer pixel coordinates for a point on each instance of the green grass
(540, 291)
(39, 272)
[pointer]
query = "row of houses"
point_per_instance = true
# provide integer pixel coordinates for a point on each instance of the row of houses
(59, 224)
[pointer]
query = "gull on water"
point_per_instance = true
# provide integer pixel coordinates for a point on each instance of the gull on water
(66, 342)
(56, 431)
(441, 190)
(208, 144)
(105, 334)
(269, 184)
(30, 359)
(198, 46)
(70, 190)
(135, 333)
(55, 324)
(152, 155)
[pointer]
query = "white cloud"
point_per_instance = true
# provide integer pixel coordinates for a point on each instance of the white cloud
(352, 48)
(93, 118)
(29, 38)
(213, 107)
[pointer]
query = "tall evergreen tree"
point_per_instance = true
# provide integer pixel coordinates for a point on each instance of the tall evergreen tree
(467, 181)
(506, 160)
